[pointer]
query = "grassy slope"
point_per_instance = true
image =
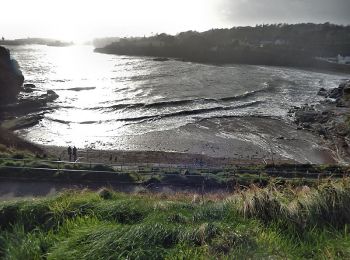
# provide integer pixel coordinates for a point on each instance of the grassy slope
(256, 223)
(10, 141)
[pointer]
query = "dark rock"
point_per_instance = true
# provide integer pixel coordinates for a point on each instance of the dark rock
(21, 122)
(280, 138)
(25, 106)
(11, 78)
(31, 104)
(27, 90)
(336, 93)
(306, 116)
(322, 92)
(341, 103)
(306, 125)
(28, 85)
(342, 130)
(319, 129)
(346, 89)
(51, 95)
(344, 144)
(160, 59)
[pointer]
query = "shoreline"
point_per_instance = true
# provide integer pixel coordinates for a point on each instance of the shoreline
(245, 140)
(316, 66)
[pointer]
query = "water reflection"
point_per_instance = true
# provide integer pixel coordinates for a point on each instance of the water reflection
(103, 97)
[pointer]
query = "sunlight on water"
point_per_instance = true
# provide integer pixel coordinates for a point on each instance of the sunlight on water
(105, 96)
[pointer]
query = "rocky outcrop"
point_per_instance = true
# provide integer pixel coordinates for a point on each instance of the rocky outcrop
(161, 59)
(341, 94)
(11, 78)
(330, 119)
(29, 105)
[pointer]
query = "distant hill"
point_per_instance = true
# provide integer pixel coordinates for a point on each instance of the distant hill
(103, 42)
(40, 41)
(276, 44)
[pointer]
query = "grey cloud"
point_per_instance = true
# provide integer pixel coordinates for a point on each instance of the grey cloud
(241, 12)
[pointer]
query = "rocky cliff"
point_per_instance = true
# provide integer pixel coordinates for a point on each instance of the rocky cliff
(21, 105)
(330, 119)
(11, 78)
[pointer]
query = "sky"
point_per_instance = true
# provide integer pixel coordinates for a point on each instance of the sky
(83, 20)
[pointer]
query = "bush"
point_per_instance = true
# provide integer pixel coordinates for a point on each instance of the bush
(18, 155)
(3, 148)
(105, 193)
(101, 167)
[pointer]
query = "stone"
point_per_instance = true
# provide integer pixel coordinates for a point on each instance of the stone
(29, 85)
(322, 92)
(335, 93)
(160, 59)
(306, 116)
(51, 95)
(341, 103)
(306, 125)
(27, 90)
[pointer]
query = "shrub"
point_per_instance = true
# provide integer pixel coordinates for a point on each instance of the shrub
(18, 155)
(100, 167)
(105, 193)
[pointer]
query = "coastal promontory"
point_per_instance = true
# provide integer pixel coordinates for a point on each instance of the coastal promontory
(11, 77)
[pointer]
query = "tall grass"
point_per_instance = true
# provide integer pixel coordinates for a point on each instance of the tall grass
(272, 222)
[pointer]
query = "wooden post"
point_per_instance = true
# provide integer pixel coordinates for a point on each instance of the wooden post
(203, 190)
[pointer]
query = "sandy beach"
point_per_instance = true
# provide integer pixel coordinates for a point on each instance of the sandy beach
(218, 141)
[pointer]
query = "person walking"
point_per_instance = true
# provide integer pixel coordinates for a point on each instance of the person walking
(69, 153)
(74, 153)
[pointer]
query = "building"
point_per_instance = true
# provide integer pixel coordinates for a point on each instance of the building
(343, 60)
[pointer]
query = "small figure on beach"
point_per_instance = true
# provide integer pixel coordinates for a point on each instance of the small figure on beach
(69, 150)
(201, 163)
(74, 153)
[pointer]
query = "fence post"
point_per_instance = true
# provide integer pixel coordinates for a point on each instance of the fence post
(203, 190)
(260, 177)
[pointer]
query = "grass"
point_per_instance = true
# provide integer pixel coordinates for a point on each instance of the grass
(225, 178)
(10, 144)
(277, 222)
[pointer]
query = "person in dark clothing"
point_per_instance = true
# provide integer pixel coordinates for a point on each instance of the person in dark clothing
(74, 153)
(69, 153)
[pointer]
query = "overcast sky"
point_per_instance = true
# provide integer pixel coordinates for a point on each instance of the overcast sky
(81, 20)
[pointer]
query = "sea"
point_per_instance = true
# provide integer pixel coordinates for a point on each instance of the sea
(103, 97)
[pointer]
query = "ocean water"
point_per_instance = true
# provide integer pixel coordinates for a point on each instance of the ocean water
(102, 97)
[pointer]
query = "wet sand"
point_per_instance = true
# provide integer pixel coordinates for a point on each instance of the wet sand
(217, 141)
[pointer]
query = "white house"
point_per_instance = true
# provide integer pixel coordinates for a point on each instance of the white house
(343, 60)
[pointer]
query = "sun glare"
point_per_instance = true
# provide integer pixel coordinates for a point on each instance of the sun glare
(83, 20)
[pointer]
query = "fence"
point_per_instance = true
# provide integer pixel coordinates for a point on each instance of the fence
(161, 168)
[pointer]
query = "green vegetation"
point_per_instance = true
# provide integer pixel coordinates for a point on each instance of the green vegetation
(272, 222)
(22, 165)
(275, 44)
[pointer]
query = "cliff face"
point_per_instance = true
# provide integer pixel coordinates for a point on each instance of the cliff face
(11, 78)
